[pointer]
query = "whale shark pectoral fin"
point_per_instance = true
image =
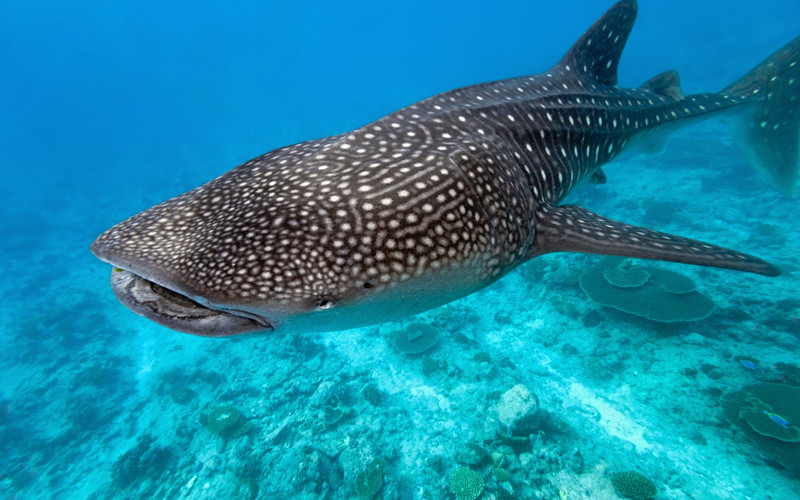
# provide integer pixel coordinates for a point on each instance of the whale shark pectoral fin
(570, 228)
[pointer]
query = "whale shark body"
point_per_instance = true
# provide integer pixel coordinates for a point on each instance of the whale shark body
(436, 200)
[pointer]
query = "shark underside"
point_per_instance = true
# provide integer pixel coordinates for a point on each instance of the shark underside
(436, 200)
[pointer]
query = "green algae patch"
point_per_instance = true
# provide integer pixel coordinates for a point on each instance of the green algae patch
(631, 484)
(769, 414)
(648, 292)
(415, 338)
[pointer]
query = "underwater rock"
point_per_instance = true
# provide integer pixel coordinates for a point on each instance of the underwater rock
(181, 395)
(144, 460)
(514, 404)
(482, 357)
(569, 349)
(649, 292)
(789, 373)
(246, 488)
(592, 319)
(471, 454)
(576, 462)
(694, 338)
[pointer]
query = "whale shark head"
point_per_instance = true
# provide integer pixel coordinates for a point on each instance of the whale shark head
(316, 236)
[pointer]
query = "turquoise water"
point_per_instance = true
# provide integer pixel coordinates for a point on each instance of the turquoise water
(109, 109)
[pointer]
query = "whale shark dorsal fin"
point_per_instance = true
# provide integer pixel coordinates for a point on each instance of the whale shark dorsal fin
(570, 228)
(667, 84)
(595, 56)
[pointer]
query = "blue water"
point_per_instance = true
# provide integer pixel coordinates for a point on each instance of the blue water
(110, 108)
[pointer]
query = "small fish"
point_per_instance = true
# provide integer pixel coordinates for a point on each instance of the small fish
(778, 419)
(748, 364)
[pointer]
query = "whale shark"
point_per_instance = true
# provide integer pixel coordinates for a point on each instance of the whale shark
(438, 199)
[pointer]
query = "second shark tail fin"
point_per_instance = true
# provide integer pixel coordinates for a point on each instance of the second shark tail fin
(769, 132)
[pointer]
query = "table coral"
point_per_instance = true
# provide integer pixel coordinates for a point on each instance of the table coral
(649, 292)
(415, 338)
(769, 415)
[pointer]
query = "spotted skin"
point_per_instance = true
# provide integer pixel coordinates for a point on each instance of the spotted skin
(421, 207)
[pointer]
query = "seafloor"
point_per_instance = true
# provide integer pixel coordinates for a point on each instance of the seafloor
(99, 403)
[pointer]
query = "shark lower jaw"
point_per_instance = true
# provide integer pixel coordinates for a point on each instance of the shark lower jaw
(179, 312)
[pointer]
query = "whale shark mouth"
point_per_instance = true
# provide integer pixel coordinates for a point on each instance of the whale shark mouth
(179, 312)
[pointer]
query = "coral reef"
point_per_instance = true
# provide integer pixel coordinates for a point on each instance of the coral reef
(369, 481)
(466, 484)
(501, 474)
(631, 484)
(246, 488)
(227, 422)
(372, 394)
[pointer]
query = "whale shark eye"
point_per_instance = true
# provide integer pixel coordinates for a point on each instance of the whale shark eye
(324, 304)
(368, 284)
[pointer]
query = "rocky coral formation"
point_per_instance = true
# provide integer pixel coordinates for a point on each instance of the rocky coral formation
(515, 404)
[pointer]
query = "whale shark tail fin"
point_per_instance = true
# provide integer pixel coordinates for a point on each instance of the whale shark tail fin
(769, 132)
